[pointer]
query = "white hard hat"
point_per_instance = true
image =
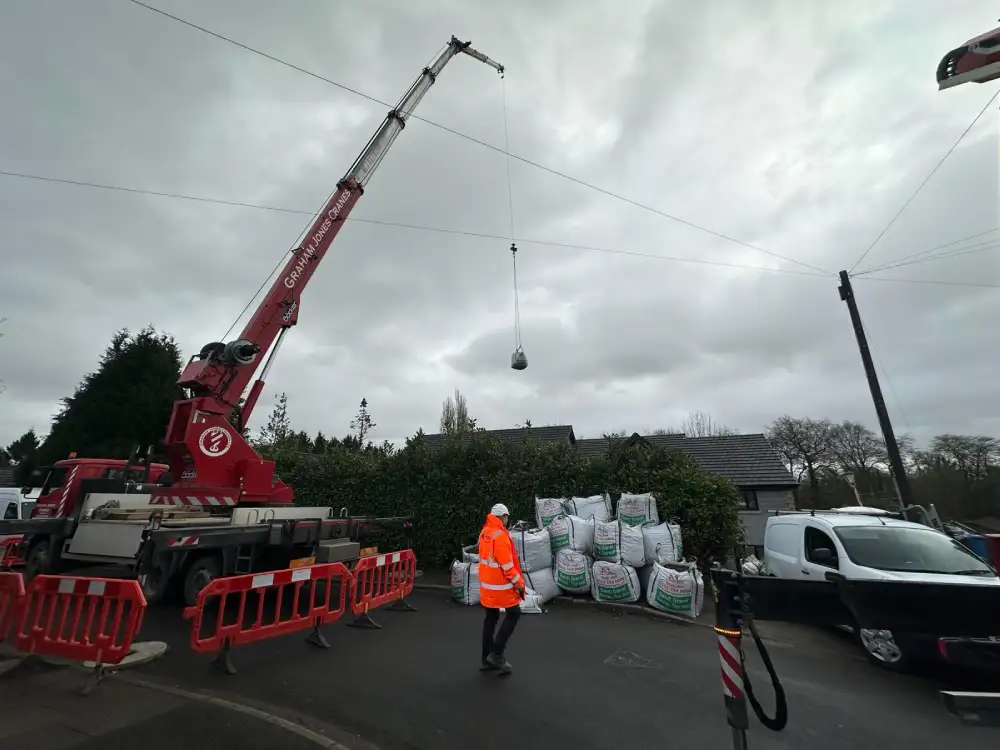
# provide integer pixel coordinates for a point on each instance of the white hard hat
(499, 510)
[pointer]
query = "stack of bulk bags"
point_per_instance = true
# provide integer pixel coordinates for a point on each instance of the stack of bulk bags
(534, 552)
(596, 506)
(572, 533)
(573, 571)
(470, 553)
(465, 582)
(677, 588)
(637, 510)
(662, 542)
(614, 582)
(547, 509)
(615, 542)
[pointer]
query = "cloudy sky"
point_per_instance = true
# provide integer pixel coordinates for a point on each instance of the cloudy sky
(799, 128)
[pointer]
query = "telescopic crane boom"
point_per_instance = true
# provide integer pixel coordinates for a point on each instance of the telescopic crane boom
(211, 462)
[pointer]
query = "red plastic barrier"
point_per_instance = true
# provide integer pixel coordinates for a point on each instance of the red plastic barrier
(11, 556)
(11, 599)
(381, 580)
(85, 619)
(324, 603)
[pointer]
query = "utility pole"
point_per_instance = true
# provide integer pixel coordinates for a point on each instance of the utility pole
(892, 447)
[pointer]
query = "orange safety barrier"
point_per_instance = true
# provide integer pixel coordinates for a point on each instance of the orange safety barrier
(83, 619)
(235, 624)
(11, 598)
(11, 556)
(381, 580)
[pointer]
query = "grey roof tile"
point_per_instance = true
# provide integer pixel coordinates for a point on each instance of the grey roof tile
(746, 460)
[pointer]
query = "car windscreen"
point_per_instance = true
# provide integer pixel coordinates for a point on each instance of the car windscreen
(908, 550)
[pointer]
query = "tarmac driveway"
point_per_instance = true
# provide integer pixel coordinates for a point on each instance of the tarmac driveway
(415, 684)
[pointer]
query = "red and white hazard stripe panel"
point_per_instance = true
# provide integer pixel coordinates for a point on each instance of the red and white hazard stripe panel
(732, 669)
(183, 541)
(191, 500)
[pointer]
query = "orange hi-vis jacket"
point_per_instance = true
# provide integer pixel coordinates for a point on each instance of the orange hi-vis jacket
(499, 569)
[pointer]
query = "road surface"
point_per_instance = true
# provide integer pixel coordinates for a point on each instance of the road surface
(415, 684)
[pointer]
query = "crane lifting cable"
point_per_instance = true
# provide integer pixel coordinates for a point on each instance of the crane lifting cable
(518, 360)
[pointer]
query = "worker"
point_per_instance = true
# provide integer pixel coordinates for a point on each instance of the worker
(501, 586)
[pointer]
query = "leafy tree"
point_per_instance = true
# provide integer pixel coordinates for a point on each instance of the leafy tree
(23, 453)
(278, 429)
(362, 423)
(126, 400)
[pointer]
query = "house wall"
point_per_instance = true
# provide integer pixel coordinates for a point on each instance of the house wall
(754, 521)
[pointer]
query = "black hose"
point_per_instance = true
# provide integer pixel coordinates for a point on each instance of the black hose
(780, 718)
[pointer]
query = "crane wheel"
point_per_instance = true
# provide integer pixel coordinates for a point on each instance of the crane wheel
(199, 574)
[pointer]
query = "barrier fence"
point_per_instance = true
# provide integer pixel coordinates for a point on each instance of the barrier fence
(82, 619)
(11, 599)
(11, 556)
(380, 580)
(304, 598)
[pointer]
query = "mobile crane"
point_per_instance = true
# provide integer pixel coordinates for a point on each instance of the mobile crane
(218, 509)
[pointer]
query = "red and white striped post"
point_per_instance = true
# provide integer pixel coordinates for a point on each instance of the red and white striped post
(729, 632)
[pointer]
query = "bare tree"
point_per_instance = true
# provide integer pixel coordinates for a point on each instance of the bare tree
(805, 445)
(856, 448)
(455, 415)
(362, 422)
(701, 424)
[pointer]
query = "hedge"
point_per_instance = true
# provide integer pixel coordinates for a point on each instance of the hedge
(451, 489)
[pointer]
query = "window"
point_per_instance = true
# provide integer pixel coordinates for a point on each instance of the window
(54, 481)
(750, 501)
(10, 514)
(909, 550)
(26, 509)
(816, 539)
(134, 475)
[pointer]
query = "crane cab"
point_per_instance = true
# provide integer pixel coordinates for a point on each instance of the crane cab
(976, 61)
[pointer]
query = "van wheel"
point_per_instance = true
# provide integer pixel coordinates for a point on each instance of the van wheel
(881, 649)
(202, 572)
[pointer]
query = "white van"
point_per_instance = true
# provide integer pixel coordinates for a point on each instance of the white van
(13, 507)
(829, 545)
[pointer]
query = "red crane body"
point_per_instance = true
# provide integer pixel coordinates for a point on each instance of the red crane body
(211, 462)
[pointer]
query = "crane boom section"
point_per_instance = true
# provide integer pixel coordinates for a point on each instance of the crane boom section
(226, 378)
(211, 461)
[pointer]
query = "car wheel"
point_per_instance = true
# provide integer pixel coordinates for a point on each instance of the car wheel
(881, 649)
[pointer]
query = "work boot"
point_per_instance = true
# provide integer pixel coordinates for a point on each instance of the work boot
(499, 663)
(485, 666)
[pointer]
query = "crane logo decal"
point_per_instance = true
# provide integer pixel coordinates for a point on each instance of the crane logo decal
(308, 251)
(215, 441)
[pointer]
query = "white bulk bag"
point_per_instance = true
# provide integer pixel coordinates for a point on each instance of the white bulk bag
(676, 588)
(546, 509)
(614, 582)
(637, 510)
(573, 571)
(752, 566)
(532, 603)
(632, 545)
(598, 506)
(660, 542)
(543, 583)
(534, 548)
(470, 553)
(607, 547)
(465, 582)
(560, 532)
(581, 536)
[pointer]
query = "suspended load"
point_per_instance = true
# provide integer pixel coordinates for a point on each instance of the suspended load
(976, 61)
(518, 360)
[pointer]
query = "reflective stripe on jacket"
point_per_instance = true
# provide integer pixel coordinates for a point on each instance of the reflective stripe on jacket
(499, 569)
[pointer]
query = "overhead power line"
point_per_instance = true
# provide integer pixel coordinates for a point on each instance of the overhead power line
(926, 281)
(400, 225)
(926, 180)
(484, 144)
(977, 248)
(928, 251)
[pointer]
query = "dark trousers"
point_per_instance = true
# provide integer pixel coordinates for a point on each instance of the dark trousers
(497, 643)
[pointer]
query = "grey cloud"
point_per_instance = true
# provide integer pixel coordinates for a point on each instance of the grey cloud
(789, 127)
